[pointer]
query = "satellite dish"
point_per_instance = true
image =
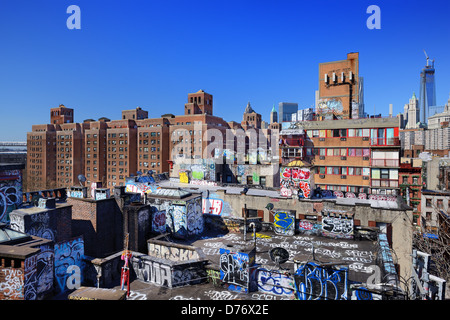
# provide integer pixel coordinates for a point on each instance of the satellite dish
(279, 255)
(81, 179)
(269, 206)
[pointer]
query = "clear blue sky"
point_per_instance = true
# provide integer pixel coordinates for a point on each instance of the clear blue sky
(151, 54)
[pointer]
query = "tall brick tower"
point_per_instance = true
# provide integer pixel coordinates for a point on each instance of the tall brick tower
(61, 115)
(199, 102)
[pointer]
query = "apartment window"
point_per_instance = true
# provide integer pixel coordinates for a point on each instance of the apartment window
(384, 174)
(440, 204)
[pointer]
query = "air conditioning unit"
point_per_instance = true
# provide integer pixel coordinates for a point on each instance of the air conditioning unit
(343, 158)
(343, 177)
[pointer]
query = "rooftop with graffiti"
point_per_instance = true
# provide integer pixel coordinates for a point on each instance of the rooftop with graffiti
(161, 238)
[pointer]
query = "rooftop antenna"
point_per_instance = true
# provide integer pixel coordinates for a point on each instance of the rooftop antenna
(279, 255)
(81, 179)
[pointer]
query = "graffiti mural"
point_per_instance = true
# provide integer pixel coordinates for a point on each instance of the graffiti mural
(298, 180)
(201, 170)
(12, 285)
(77, 192)
(152, 271)
(213, 204)
(178, 222)
(167, 273)
(172, 252)
(314, 282)
(284, 222)
(133, 186)
(69, 264)
(195, 222)
(159, 221)
(237, 270)
(330, 108)
(10, 192)
(276, 282)
(44, 271)
(309, 227)
(337, 225)
(184, 178)
(181, 218)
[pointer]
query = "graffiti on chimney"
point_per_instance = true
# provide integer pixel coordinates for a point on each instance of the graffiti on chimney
(315, 282)
(69, 264)
(10, 192)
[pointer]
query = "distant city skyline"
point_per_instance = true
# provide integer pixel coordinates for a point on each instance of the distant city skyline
(152, 54)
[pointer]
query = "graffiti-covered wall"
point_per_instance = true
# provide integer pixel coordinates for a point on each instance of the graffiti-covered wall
(337, 224)
(213, 204)
(182, 218)
(169, 266)
(284, 222)
(237, 270)
(195, 173)
(69, 264)
(10, 192)
(315, 282)
(38, 275)
(52, 224)
(296, 181)
(276, 282)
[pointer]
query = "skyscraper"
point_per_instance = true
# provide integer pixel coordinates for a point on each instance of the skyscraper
(273, 115)
(286, 109)
(427, 89)
(411, 113)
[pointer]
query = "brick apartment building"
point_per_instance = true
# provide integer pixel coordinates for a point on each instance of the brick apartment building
(359, 156)
(340, 88)
(410, 183)
(106, 151)
(191, 133)
(41, 157)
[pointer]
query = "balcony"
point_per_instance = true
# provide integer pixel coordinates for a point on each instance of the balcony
(384, 163)
(384, 141)
(384, 183)
(292, 153)
(292, 142)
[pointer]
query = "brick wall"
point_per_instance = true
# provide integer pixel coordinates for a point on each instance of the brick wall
(100, 223)
(11, 279)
